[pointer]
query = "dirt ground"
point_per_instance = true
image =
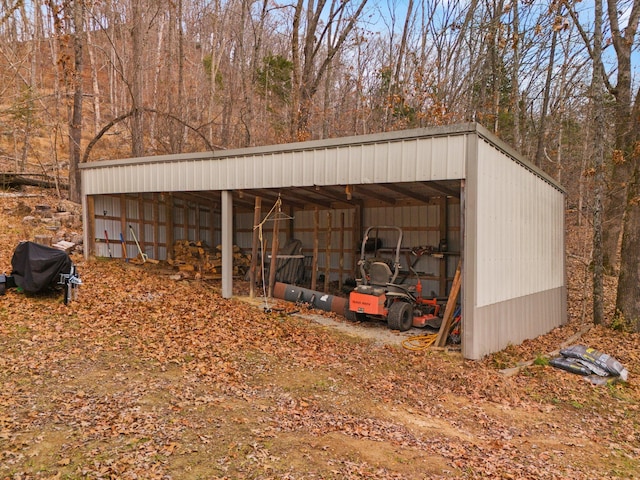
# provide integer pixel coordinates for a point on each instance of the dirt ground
(148, 377)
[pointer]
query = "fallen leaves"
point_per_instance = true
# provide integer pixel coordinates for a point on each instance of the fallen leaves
(146, 377)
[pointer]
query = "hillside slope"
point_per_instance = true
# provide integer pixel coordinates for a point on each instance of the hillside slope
(149, 377)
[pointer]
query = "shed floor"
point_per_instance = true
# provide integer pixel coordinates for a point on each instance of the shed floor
(372, 330)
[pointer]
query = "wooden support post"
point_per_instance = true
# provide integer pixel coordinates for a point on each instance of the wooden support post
(327, 253)
(91, 216)
(257, 214)
(289, 230)
(314, 262)
(185, 215)
(169, 225)
(444, 226)
(123, 221)
(357, 234)
(273, 265)
(140, 233)
(198, 238)
(212, 213)
(156, 226)
(449, 310)
(341, 259)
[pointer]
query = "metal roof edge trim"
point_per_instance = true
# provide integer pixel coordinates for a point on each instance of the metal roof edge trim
(398, 135)
(517, 157)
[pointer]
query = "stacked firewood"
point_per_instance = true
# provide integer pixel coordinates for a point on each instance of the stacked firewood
(189, 256)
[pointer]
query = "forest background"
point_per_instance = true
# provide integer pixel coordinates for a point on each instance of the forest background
(83, 80)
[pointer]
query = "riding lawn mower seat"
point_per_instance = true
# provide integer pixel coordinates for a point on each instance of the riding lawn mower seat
(379, 274)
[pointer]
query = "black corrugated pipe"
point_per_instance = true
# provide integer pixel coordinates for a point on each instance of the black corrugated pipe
(321, 300)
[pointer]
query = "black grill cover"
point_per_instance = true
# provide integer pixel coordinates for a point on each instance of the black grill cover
(37, 267)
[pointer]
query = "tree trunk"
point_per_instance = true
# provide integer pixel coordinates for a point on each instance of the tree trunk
(403, 44)
(178, 103)
(515, 77)
(296, 83)
(542, 131)
(628, 300)
(597, 91)
(309, 70)
(97, 117)
(137, 119)
(75, 125)
(156, 80)
(625, 135)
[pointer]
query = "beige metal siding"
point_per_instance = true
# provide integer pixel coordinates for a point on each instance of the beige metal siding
(519, 230)
(515, 320)
(513, 286)
(417, 158)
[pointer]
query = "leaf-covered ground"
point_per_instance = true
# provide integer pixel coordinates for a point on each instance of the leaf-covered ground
(146, 377)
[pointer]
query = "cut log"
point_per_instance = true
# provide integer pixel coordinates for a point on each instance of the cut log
(206, 262)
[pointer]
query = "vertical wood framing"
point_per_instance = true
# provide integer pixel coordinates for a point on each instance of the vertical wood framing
(314, 262)
(123, 222)
(357, 233)
(91, 225)
(169, 228)
(140, 233)
(444, 227)
(341, 259)
(257, 214)
(290, 226)
(273, 264)
(327, 254)
(197, 225)
(185, 219)
(212, 223)
(156, 226)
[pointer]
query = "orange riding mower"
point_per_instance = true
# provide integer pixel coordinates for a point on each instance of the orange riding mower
(378, 295)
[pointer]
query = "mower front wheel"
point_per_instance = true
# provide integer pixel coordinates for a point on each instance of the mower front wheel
(400, 316)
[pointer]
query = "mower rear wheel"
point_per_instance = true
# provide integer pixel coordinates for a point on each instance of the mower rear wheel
(400, 316)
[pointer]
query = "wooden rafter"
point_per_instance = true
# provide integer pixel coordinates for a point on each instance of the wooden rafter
(369, 192)
(406, 192)
(444, 190)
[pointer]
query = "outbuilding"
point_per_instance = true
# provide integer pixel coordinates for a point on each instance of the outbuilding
(458, 193)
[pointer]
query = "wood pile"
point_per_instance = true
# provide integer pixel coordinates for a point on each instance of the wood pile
(197, 257)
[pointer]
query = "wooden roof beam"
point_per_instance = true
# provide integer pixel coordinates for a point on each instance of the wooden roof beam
(268, 195)
(406, 192)
(321, 203)
(444, 190)
(198, 198)
(376, 195)
(327, 193)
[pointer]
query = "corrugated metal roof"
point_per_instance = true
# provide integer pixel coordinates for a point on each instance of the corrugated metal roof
(406, 156)
(425, 154)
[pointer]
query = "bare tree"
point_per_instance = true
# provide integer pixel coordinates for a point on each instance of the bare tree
(622, 169)
(95, 84)
(597, 106)
(312, 52)
(546, 94)
(622, 211)
(69, 22)
(137, 85)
